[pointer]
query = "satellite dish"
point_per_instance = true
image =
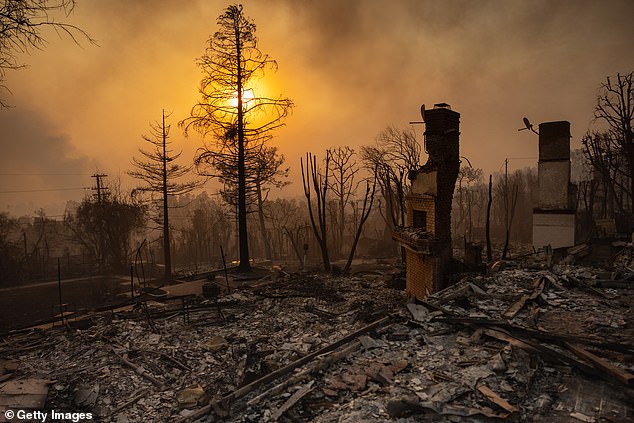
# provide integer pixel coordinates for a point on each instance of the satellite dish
(422, 111)
(527, 123)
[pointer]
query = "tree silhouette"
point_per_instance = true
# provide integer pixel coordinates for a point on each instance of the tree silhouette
(21, 24)
(394, 155)
(615, 107)
(343, 185)
(263, 170)
(230, 65)
(160, 175)
(314, 180)
(105, 227)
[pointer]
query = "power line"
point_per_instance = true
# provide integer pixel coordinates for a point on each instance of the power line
(44, 174)
(41, 190)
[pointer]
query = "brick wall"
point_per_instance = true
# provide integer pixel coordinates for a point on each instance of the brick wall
(424, 203)
(419, 276)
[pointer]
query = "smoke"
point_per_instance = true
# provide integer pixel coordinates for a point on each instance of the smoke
(351, 67)
(38, 162)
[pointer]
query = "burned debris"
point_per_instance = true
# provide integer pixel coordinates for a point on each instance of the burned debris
(519, 345)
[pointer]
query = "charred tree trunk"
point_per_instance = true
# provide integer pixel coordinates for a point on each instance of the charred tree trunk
(167, 251)
(312, 178)
(243, 234)
(365, 213)
(265, 238)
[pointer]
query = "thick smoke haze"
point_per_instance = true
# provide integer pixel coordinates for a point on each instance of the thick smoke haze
(37, 156)
(352, 68)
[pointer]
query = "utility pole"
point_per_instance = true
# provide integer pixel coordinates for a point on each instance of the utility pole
(506, 192)
(99, 188)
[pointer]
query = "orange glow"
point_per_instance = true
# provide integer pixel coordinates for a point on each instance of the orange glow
(247, 95)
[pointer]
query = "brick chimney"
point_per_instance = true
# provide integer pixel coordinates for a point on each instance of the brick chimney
(554, 216)
(427, 235)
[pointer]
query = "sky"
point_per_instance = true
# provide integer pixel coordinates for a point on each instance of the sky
(352, 68)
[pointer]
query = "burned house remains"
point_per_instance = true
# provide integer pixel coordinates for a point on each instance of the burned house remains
(426, 237)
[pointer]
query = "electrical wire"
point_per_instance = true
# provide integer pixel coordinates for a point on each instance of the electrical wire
(42, 190)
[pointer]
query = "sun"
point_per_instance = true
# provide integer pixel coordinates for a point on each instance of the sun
(247, 95)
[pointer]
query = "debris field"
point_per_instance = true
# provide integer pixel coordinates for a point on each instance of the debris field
(523, 343)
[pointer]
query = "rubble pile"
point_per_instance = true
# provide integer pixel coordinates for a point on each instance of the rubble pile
(166, 364)
(517, 345)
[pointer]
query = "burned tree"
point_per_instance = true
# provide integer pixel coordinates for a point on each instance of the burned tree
(509, 201)
(21, 25)
(368, 200)
(468, 177)
(313, 179)
(160, 175)
(602, 151)
(264, 170)
(289, 221)
(394, 155)
(104, 228)
(343, 171)
(611, 151)
(615, 106)
(488, 219)
(229, 110)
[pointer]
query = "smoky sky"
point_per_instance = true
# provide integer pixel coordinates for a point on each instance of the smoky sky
(36, 155)
(351, 67)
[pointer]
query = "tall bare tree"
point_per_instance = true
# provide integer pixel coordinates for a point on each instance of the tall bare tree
(394, 155)
(230, 65)
(603, 152)
(343, 184)
(161, 174)
(316, 181)
(21, 26)
(509, 195)
(615, 107)
(368, 200)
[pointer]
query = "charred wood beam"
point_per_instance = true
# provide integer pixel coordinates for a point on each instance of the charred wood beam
(591, 365)
(617, 373)
(552, 337)
(539, 285)
(139, 370)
